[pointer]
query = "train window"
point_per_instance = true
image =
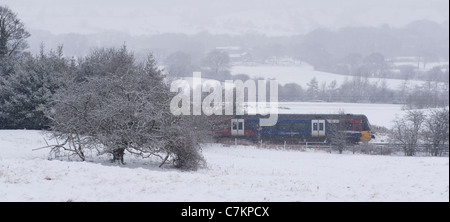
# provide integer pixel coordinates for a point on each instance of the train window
(235, 126)
(315, 126)
(358, 127)
(241, 125)
(349, 126)
(321, 126)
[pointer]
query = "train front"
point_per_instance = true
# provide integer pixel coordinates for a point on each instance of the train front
(366, 133)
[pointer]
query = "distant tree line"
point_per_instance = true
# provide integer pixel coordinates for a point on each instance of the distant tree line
(355, 89)
(361, 90)
(359, 51)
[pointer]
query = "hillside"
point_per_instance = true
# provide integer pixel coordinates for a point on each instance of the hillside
(302, 74)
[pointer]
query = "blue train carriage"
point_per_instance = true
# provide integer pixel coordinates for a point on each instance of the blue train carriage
(299, 128)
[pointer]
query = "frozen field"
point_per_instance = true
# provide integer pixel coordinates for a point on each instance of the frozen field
(302, 74)
(378, 114)
(233, 174)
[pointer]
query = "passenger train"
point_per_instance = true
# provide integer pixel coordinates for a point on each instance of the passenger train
(298, 128)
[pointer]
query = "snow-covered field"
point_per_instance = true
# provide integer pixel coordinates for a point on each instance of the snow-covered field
(233, 174)
(302, 74)
(378, 114)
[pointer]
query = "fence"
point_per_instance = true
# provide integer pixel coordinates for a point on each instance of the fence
(419, 149)
(364, 148)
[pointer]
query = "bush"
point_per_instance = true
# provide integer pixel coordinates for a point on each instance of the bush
(116, 105)
(184, 149)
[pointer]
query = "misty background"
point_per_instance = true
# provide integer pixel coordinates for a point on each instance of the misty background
(406, 40)
(139, 23)
(282, 17)
(95, 77)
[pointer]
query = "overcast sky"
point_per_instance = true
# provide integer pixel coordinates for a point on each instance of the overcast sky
(272, 17)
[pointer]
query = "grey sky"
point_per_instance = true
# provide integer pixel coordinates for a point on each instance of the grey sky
(273, 17)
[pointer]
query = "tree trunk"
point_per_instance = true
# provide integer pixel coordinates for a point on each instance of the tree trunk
(118, 155)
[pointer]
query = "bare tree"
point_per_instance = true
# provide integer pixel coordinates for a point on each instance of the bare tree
(436, 130)
(338, 138)
(375, 65)
(116, 108)
(312, 92)
(406, 131)
(12, 33)
(218, 63)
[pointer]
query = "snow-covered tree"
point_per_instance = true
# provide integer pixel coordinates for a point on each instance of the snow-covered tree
(375, 65)
(12, 33)
(436, 131)
(312, 92)
(217, 64)
(27, 90)
(338, 137)
(291, 92)
(116, 105)
(12, 43)
(406, 131)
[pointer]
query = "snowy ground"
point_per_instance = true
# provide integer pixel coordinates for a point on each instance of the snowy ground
(378, 114)
(233, 174)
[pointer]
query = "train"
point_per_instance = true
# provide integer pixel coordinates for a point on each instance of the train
(298, 128)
